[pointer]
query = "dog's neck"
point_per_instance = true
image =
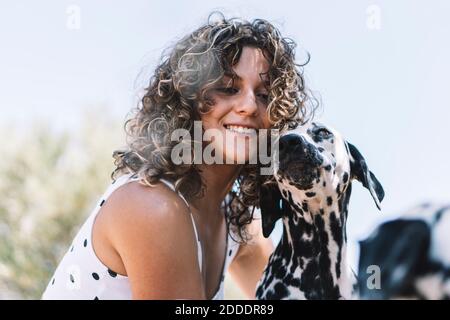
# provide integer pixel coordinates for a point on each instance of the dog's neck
(316, 237)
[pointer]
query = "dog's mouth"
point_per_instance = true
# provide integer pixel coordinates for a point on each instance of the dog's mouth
(300, 168)
(300, 174)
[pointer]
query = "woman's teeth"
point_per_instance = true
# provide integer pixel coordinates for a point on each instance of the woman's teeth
(239, 129)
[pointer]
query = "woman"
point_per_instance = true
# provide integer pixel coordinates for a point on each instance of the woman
(170, 230)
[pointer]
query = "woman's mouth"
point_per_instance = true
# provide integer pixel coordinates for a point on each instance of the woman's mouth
(240, 129)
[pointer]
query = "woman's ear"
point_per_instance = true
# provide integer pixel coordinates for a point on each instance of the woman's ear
(360, 172)
(271, 204)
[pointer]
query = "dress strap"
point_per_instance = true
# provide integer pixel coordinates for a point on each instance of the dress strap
(199, 248)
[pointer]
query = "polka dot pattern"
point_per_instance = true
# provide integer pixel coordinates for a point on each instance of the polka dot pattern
(112, 273)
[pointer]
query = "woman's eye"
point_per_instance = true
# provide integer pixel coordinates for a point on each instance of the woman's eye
(229, 90)
(264, 96)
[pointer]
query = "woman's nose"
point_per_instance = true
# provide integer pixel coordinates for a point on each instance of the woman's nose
(247, 103)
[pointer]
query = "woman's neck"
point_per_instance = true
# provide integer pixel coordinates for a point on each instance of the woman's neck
(219, 179)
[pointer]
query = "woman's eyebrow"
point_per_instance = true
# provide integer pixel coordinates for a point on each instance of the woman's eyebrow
(262, 76)
(226, 81)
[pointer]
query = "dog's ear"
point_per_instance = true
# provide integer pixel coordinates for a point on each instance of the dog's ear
(271, 204)
(396, 249)
(360, 172)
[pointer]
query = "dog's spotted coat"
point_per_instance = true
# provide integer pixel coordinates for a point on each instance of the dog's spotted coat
(412, 252)
(314, 173)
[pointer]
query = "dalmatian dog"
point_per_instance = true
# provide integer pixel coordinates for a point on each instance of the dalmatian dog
(314, 174)
(412, 254)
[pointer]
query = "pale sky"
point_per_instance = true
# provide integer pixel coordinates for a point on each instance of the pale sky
(383, 83)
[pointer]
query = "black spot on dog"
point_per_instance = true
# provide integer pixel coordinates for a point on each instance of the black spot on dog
(280, 290)
(338, 190)
(259, 292)
(305, 206)
(336, 232)
(292, 204)
(329, 201)
(345, 177)
(309, 283)
(310, 194)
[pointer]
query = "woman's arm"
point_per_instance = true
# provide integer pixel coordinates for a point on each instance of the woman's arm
(251, 259)
(152, 232)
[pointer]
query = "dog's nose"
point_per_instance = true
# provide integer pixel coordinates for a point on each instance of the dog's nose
(289, 141)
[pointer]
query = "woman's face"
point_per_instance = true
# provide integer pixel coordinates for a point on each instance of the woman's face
(239, 108)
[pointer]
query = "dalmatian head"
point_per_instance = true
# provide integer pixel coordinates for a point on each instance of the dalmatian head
(313, 166)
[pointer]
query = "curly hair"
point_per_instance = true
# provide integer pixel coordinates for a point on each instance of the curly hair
(178, 94)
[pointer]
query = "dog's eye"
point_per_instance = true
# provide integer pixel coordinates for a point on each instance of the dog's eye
(323, 133)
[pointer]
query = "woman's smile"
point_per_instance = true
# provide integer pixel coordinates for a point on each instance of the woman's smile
(242, 130)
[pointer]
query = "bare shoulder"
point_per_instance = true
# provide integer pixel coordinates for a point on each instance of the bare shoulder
(151, 230)
(141, 203)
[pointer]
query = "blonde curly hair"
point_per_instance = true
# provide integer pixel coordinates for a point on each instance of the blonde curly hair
(178, 94)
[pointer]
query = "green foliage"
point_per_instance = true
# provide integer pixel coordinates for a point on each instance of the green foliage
(50, 181)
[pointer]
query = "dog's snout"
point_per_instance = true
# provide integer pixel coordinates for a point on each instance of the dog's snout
(289, 141)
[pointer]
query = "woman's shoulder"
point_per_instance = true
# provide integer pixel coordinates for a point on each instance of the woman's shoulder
(135, 200)
(151, 230)
(135, 208)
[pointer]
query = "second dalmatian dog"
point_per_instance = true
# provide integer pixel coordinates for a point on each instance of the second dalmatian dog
(412, 254)
(314, 175)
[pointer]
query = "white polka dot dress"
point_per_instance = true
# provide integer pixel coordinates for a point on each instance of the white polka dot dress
(81, 274)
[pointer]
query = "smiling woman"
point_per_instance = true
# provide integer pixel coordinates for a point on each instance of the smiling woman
(239, 108)
(164, 230)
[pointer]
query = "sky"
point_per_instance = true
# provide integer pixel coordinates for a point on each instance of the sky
(380, 68)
